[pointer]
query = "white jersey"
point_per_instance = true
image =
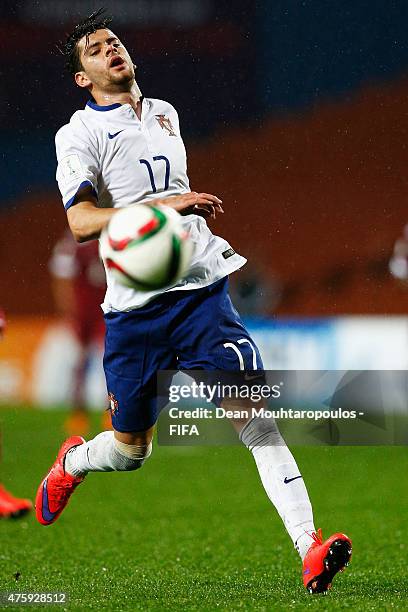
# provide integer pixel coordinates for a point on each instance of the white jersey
(126, 161)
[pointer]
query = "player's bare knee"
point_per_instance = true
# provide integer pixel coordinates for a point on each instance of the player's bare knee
(130, 457)
(136, 438)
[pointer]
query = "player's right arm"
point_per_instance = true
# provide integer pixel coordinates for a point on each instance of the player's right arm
(77, 175)
(85, 219)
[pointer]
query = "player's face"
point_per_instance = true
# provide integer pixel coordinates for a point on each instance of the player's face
(106, 62)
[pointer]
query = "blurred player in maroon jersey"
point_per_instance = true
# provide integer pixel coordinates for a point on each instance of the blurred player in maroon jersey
(78, 283)
(399, 261)
(10, 506)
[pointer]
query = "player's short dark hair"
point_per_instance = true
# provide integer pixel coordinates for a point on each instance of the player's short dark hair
(95, 21)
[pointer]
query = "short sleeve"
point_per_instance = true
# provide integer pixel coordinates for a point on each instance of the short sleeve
(78, 164)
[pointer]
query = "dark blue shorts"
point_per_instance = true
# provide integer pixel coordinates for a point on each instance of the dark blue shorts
(179, 330)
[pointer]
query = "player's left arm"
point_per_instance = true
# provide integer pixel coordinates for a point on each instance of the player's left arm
(203, 204)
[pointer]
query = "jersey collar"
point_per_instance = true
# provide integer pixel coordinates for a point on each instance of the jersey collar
(92, 104)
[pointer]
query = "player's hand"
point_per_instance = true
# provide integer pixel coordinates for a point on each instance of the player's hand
(204, 204)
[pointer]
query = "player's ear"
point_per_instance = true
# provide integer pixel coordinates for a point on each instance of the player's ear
(81, 79)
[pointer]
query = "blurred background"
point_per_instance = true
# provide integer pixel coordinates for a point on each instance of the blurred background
(294, 113)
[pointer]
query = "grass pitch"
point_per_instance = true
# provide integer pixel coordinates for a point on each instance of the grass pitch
(194, 530)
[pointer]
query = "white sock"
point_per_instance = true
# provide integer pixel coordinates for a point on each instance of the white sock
(105, 454)
(303, 543)
(93, 456)
(281, 479)
(277, 467)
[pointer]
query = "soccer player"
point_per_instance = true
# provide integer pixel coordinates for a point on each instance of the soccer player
(398, 264)
(79, 285)
(124, 149)
(10, 506)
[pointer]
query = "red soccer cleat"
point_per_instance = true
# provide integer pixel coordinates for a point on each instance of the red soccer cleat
(12, 507)
(57, 487)
(324, 559)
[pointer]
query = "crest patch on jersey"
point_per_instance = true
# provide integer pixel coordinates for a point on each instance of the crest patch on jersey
(166, 124)
(113, 403)
(71, 167)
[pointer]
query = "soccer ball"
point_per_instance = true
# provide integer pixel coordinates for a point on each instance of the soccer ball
(146, 248)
